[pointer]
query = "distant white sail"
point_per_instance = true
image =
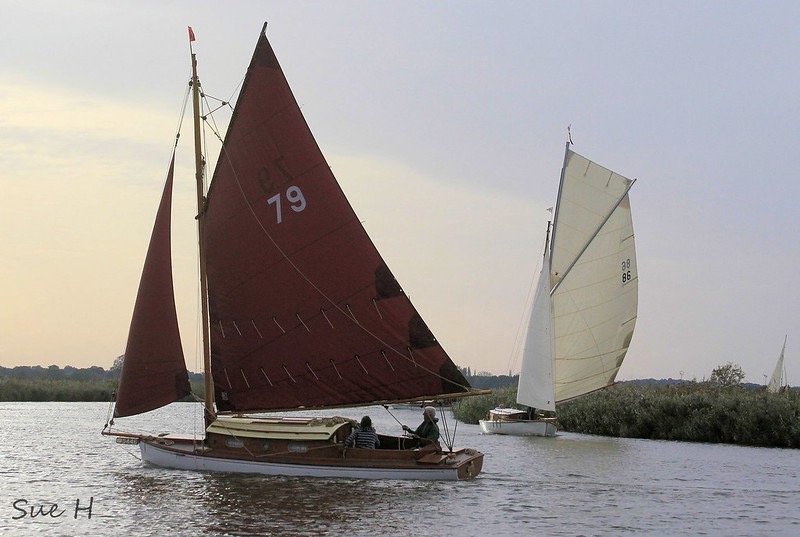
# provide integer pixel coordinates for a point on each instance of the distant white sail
(776, 382)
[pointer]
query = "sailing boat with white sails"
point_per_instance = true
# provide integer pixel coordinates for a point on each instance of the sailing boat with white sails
(585, 306)
(299, 312)
(776, 383)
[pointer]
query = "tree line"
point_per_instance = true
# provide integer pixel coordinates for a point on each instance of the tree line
(52, 383)
(719, 410)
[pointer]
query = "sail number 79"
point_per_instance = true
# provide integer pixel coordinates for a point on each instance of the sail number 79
(294, 196)
(626, 271)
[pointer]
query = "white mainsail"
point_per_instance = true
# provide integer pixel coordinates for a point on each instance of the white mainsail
(580, 336)
(776, 382)
(595, 278)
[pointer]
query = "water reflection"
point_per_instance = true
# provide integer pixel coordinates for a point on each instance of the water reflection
(238, 504)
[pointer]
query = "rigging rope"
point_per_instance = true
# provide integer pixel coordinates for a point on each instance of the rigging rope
(109, 419)
(449, 441)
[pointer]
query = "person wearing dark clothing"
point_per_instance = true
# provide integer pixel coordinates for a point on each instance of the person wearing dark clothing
(428, 430)
(364, 437)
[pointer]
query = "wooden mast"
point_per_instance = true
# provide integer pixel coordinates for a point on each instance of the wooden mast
(210, 414)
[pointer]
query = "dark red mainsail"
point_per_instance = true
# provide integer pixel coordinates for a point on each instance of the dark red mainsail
(303, 310)
(154, 369)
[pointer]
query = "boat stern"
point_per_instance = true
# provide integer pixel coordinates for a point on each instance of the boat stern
(471, 465)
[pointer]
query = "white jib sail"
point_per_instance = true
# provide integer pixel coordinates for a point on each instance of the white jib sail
(536, 383)
(776, 381)
(595, 277)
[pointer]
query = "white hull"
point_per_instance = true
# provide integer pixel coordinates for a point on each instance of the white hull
(519, 427)
(189, 461)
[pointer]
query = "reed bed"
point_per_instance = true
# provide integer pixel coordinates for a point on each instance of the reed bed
(693, 412)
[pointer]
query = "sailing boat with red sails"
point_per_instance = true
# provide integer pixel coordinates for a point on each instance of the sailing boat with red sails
(299, 312)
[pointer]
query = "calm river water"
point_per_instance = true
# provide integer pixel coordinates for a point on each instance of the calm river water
(52, 453)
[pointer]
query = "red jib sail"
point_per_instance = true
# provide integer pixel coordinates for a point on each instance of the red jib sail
(304, 311)
(154, 370)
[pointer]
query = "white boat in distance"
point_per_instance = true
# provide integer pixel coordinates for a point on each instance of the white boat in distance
(585, 306)
(776, 383)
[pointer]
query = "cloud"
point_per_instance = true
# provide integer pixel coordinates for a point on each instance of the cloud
(76, 176)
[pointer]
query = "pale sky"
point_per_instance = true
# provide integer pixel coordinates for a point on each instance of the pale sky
(445, 124)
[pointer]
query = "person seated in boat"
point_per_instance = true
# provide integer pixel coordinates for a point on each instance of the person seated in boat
(428, 430)
(364, 437)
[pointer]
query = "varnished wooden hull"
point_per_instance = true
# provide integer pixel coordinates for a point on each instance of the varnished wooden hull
(351, 463)
(311, 447)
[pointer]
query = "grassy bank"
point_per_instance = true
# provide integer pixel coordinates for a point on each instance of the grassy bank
(690, 412)
(64, 390)
(56, 390)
